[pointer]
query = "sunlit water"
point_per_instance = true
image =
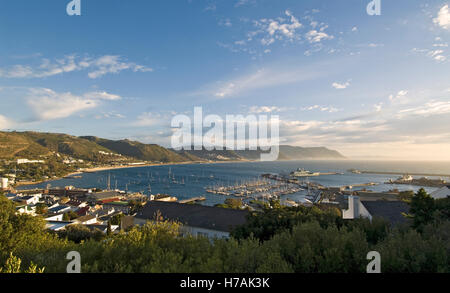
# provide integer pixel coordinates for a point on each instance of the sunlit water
(197, 177)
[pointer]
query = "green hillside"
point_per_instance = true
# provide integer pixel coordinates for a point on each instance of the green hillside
(35, 144)
(66, 144)
(15, 144)
(134, 149)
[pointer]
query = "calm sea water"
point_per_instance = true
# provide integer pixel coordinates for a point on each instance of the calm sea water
(197, 177)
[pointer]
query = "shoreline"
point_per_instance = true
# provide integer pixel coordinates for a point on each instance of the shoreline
(107, 168)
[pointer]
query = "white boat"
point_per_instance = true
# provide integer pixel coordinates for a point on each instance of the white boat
(303, 173)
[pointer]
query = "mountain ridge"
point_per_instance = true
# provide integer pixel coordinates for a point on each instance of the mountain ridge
(40, 144)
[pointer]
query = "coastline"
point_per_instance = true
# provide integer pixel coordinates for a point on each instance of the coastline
(107, 168)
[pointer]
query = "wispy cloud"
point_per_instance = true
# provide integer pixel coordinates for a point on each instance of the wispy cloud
(264, 109)
(263, 78)
(97, 67)
(401, 94)
(47, 104)
(340, 86)
(329, 109)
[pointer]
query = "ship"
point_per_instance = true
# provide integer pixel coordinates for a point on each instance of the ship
(304, 173)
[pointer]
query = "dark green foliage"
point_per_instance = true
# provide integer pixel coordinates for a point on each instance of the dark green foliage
(422, 208)
(231, 203)
(264, 225)
(79, 233)
(275, 240)
(69, 216)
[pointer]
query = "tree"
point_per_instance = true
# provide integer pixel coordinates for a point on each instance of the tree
(69, 216)
(108, 229)
(422, 208)
(41, 209)
(13, 264)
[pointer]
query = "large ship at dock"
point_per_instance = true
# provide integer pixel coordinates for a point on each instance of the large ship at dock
(304, 173)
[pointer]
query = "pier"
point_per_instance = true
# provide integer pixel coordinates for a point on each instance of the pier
(192, 200)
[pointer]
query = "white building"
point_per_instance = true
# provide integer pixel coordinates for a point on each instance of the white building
(355, 209)
(4, 184)
(392, 211)
(26, 161)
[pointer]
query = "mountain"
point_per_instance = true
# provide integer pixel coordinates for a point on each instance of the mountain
(300, 153)
(286, 153)
(137, 150)
(36, 144)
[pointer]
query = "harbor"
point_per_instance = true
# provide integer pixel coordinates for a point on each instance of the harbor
(245, 180)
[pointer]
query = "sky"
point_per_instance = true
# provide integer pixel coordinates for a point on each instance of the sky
(373, 87)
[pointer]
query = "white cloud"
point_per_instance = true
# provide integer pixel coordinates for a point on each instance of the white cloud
(329, 109)
(48, 104)
(264, 109)
(399, 95)
(341, 86)
(5, 123)
(98, 67)
(443, 18)
(314, 36)
(437, 55)
(430, 108)
(378, 107)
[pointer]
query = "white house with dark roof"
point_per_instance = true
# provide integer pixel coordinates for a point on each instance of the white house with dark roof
(392, 211)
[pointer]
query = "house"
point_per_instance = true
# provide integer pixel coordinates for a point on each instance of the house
(86, 220)
(391, 211)
(103, 228)
(29, 199)
(57, 225)
(103, 195)
(442, 192)
(26, 209)
(55, 218)
(197, 220)
(59, 209)
(83, 211)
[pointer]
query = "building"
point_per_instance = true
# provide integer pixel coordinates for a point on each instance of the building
(26, 161)
(4, 183)
(197, 220)
(442, 192)
(392, 211)
(86, 220)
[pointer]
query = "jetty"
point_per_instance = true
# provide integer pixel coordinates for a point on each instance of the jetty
(192, 200)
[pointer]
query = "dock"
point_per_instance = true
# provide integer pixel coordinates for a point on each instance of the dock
(401, 173)
(192, 200)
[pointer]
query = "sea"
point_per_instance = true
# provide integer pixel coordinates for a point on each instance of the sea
(191, 180)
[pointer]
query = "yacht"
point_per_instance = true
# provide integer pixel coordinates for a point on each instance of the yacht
(303, 173)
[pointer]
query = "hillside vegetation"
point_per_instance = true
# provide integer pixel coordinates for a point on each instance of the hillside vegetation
(35, 144)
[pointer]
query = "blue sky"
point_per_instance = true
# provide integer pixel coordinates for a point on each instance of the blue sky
(368, 86)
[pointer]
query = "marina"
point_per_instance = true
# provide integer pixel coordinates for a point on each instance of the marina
(247, 180)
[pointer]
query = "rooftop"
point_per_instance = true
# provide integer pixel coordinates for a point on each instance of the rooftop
(193, 215)
(389, 210)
